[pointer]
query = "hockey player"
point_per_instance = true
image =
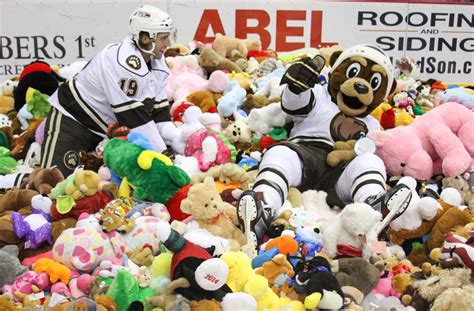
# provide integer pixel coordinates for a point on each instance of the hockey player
(124, 83)
(360, 78)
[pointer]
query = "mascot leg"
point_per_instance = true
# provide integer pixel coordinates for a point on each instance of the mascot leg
(363, 177)
(280, 168)
(363, 180)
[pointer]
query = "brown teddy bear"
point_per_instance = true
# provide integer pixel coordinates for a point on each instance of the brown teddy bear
(205, 100)
(206, 305)
(255, 101)
(461, 183)
(166, 299)
(227, 175)
(44, 180)
(272, 269)
(206, 207)
(452, 217)
(224, 45)
(211, 61)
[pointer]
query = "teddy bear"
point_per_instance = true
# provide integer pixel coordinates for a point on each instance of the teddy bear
(240, 269)
(211, 213)
(205, 100)
(211, 61)
(238, 133)
(44, 180)
(446, 148)
(231, 100)
(263, 120)
(166, 299)
(224, 45)
(434, 286)
(276, 271)
(257, 287)
(226, 176)
(355, 227)
(180, 86)
(463, 184)
(454, 215)
(7, 102)
(454, 299)
(356, 272)
(25, 284)
(155, 181)
(254, 101)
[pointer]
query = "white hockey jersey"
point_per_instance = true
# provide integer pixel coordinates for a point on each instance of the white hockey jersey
(118, 86)
(316, 117)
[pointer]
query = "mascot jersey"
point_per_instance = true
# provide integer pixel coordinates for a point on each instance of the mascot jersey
(118, 86)
(317, 117)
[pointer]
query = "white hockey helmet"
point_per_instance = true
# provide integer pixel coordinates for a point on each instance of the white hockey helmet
(150, 19)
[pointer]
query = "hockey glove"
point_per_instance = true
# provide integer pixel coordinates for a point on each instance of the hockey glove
(303, 74)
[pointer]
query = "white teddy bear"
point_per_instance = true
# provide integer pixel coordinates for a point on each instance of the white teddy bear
(263, 120)
(355, 226)
(418, 210)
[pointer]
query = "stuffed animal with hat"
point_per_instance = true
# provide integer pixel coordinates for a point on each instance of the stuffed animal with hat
(37, 75)
(206, 275)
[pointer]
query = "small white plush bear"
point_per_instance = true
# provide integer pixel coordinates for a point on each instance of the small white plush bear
(354, 226)
(263, 120)
(418, 210)
(238, 132)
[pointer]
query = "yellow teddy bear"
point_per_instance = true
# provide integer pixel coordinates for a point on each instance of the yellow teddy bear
(240, 269)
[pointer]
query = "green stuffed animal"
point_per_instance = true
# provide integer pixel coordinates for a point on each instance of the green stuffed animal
(7, 163)
(38, 105)
(150, 178)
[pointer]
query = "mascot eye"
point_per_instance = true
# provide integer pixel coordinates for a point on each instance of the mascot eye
(376, 81)
(353, 70)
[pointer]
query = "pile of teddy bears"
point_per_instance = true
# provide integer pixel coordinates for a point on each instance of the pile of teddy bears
(134, 229)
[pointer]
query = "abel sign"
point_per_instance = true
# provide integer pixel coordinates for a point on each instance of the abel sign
(440, 37)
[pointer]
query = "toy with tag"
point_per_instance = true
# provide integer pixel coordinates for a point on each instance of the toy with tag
(113, 216)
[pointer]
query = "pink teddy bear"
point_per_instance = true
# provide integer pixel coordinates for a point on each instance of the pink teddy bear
(440, 141)
(208, 148)
(23, 284)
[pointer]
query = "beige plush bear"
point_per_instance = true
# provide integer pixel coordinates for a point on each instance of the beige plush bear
(224, 45)
(86, 183)
(206, 207)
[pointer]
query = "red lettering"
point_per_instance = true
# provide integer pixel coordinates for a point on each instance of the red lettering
(316, 29)
(283, 30)
(209, 18)
(263, 20)
(212, 279)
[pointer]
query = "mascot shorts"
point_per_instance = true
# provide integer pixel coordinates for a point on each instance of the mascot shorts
(317, 175)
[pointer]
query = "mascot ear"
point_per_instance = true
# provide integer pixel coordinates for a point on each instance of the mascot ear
(334, 57)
